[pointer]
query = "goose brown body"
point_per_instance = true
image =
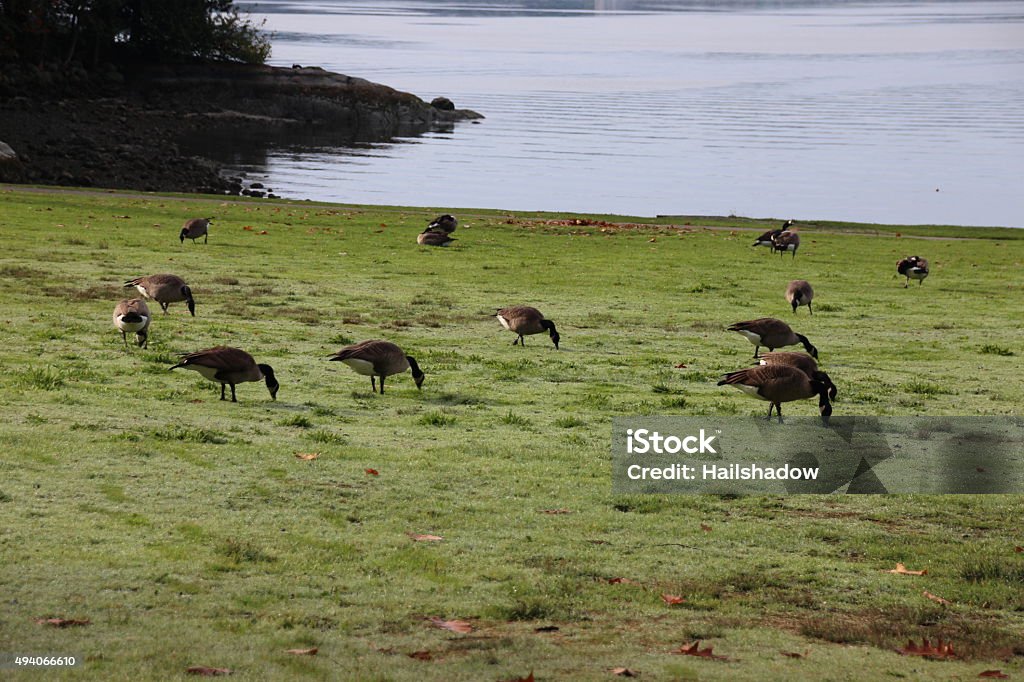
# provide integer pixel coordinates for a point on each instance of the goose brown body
(431, 238)
(780, 384)
(195, 228)
(798, 293)
(229, 366)
(768, 238)
(525, 320)
(771, 333)
(377, 358)
(803, 362)
(164, 289)
(786, 241)
(133, 316)
(913, 267)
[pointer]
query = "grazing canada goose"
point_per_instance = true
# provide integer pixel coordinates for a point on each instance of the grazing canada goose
(164, 289)
(443, 223)
(781, 384)
(195, 228)
(913, 267)
(430, 238)
(786, 241)
(798, 293)
(803, 362)
(772, 334)
(524, 320)
(132, 315)
(377, 358)
(229, 366)
(768, 238)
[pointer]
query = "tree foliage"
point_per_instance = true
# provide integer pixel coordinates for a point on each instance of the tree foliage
(95, 31)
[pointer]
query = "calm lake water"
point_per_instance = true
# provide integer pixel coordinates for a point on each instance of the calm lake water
(897, 112)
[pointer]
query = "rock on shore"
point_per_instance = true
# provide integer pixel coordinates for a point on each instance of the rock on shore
(127, 135)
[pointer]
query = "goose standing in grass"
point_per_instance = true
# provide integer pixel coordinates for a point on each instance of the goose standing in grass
(524, 321)
(443, 223)
(798, 293)
(781, 384)
(771, 333)
(786, 241)
(195, 228)
(430, 238)
(803, 362)
(164, 289)
(377, 358)
(133, 316)
(229, 366)
(913, 267)
(768, 238)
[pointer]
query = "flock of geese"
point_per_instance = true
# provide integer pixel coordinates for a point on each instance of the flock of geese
(780, 377)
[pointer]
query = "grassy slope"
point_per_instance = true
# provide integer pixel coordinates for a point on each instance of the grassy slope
(187, 531)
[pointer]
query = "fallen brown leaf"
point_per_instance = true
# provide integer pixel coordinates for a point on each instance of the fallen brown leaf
(994, 674)
(980, 470)
(793, 654)
(264, 232)
(421, 655)
(425, 538)
(303, 652)
(62, 622)
(306, 455)
(1018, 549)
(672, 599)
(623, 672)
(459, 626)
(681, 365)
(941, 650)
(248, 228)
(705, 527)
(528, 678)
(555, 511)
(620, 581)
(902, 570)
(207, 672)
(936, 598)
(695, 650)
(372, 472)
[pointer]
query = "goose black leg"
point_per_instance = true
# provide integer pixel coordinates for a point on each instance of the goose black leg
(382, 384)
(222, 392)
(233, 399)
(373, 383)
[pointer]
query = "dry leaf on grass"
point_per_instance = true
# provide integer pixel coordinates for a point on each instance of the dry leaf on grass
(620, 581)
(902, 570)
(528, 678)
(681, 365)
(303, 652)
(695, 650)
(372, 472)
(705, 527)
(62, 622)
(623, 672)
(940, 650)
(460, 626)
(672, 599)
(425, 538)
(421, 655)
(306, 455)
(994, 674)
(207, 672)
(936, 598)
(793, 654)
(1018, 549)
(555, 511)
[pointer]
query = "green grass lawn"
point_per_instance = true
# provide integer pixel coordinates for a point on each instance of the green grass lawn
(189, 534)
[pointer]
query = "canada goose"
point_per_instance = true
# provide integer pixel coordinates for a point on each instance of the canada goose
(803, 362)
(786, 241)
(913, 267)
(524, 320)
(229, 366)
(377, 358)
(132, 315)
(195, 228)
(429, 238)
(768, 238)
(798, 293)
(443, 223)
(781, 384)
(772, 334)
(164, 289)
